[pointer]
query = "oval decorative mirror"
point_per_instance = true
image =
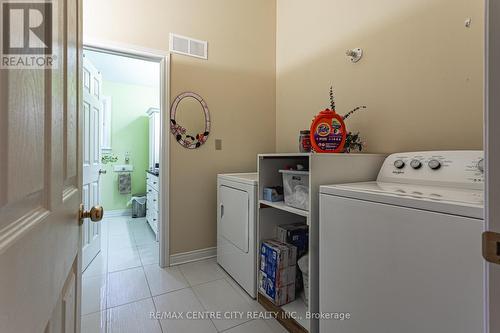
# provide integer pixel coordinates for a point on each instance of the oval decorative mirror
(190, 120)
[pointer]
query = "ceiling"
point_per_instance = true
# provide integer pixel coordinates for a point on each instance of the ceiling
(124, 69)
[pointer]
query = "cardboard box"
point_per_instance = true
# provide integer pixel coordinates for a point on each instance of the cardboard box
(289, 250)
(277, 271)
(273, 258)
(296, 234)
(278, 295)
(273, 194)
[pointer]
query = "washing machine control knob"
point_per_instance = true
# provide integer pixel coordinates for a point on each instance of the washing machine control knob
(399, 164)
(416, 164)
(480, 165)
(434, 164)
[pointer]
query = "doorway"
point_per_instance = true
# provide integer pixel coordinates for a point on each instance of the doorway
(125, 170)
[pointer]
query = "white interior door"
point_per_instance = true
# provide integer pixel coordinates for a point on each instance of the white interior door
(91, 156)
(40, 188)
(492, 147)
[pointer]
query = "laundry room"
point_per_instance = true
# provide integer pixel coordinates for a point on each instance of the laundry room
(256, 158)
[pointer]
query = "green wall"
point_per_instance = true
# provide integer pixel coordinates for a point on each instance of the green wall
(129, 133)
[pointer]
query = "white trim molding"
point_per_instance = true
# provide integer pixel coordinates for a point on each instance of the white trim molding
(124, 49)
(191, 256)
(492, 151)
(118, 212)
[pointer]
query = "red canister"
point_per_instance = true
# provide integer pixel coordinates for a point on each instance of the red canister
(328, 132)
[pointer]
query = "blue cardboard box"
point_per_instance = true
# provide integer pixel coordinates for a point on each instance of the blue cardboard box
(277, 271)
(278, 295)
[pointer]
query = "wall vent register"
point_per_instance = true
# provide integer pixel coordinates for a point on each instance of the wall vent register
(188, 46)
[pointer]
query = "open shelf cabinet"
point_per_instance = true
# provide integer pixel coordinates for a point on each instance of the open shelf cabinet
(324, 169)
(282, 206)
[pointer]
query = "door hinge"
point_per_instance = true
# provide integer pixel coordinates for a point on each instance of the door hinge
(491, 247)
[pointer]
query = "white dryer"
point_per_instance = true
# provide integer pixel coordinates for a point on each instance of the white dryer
(403, 254)
(236, 228)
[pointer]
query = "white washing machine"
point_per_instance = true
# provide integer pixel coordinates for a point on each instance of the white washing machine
(403, 254)
(236, 228)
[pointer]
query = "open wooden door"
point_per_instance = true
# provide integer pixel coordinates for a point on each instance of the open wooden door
(491, 238)
(40, 186)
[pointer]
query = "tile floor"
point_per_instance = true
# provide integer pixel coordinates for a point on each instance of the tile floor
(124, 285)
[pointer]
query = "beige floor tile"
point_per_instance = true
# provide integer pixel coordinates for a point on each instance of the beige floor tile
(93, 294)
(182, 301)
(164, 280)
(202, 272)
(133, 318)
(127, 286)
(220, 296)
(94, 323)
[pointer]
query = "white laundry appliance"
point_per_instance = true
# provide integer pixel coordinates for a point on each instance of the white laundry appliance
(236, 228)
(403, 254)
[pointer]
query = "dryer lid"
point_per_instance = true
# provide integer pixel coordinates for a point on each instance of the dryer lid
(245, 178)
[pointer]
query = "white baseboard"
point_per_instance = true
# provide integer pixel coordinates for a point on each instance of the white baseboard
(196, 255)
(118, 212)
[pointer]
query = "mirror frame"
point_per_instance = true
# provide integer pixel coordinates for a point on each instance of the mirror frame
(180, 133)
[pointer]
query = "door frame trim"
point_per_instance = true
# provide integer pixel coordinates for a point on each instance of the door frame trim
(163, 58)
(492, 153)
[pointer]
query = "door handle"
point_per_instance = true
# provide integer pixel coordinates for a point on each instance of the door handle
(491, 247)
(102, 172)
(221, 211)
(95, 214)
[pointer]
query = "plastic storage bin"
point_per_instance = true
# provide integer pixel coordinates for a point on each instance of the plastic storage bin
(303, 264)
(296, 188)
(138, 206)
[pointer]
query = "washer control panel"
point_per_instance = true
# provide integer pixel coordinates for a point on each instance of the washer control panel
(447, 168)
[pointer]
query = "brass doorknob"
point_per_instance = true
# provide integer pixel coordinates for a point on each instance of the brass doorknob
(95, 214)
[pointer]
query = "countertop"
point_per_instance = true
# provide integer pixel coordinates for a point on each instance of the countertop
(154, 172)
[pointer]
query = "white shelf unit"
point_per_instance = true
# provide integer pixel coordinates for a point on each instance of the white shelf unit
(300, 309)
(324, 169)
(281, 205)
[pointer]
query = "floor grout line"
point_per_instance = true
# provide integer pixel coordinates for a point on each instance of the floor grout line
(171, 291)
(147, 281)
(128, 303)
(228, 329)
(124, 269)
(156, 310)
